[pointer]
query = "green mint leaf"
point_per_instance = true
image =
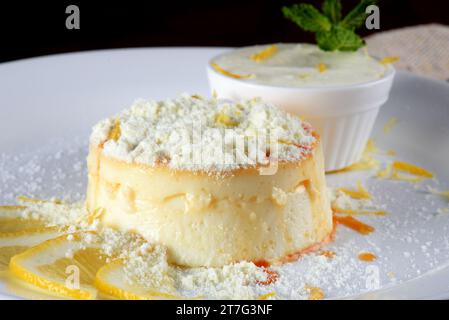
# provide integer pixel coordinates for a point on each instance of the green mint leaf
(339, 38)
(307, 17)
(332, 10)
(357, 16)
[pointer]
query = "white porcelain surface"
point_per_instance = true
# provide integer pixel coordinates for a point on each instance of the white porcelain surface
(61, 97)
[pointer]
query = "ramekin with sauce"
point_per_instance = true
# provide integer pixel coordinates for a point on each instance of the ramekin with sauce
(339, 93)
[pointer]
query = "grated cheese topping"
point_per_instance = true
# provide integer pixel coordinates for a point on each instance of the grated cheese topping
(198, 134)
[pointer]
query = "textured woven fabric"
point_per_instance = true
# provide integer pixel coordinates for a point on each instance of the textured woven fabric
(422, 49)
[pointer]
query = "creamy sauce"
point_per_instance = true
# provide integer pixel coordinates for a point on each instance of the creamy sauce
(301, 65)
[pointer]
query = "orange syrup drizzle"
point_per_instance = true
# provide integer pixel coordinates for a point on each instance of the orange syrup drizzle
(367, 256)
(272, 276)
(327, 253)
(355, 224)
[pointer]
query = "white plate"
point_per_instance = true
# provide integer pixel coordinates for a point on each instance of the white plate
(50, 103)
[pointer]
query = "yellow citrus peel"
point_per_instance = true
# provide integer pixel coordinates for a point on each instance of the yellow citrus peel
(265, 53)
(412, 172)
(354, 224)
(321, 67)
(7, 207)
(315, 293)
(267, 296)
(360, 193)
(390, 59)
(354, 212)
(444, 194)
(115, 132)
(230, 74)
(35, 200)
(411, 169)
(367, 161)
(225, 120)
(390, 124)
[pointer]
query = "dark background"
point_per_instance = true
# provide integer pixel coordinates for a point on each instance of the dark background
(38, 28)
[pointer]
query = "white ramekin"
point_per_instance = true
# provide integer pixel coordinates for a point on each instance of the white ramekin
(343, 115)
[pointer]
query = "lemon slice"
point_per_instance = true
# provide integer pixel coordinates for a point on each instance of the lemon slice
(11, 211)
(20, 224)
(64, 266)
(12, 220)
(16, 242)
(112, 281)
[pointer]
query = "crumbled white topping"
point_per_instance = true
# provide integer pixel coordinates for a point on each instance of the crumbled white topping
(148, 268)
(100, 131)
(341, 200)
(151, 270)
(233, 281)
(194, 133)
(55, 213)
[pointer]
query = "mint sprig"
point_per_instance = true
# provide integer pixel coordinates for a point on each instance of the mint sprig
(307, 17)
(332, 10)
(332, 32)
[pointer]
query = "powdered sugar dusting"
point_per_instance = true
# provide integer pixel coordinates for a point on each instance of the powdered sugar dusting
(191, 132)
(408, 242)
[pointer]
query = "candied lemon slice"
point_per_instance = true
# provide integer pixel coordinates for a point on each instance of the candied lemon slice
(112, 281)
(12, 220)
(13, 243)
(64, 266)
(11, 211)
(9, 225)
(25, 199)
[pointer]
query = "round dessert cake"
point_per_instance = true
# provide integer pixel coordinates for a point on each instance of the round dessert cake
(213, 180)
